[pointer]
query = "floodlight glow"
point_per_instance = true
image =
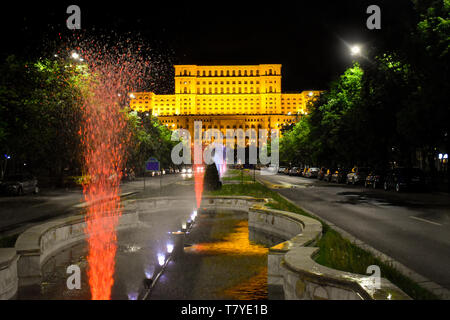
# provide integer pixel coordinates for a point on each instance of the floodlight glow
(440, 156)
(169, 247)
(161, 259)
(149, 271)
(446, 156)
(132, 296)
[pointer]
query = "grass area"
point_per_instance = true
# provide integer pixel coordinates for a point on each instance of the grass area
(335, 251)
(8, 242)
(238, 178)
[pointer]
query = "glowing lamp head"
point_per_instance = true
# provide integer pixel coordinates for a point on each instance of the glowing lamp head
(161, 259)
(169, 247)
(355, 50)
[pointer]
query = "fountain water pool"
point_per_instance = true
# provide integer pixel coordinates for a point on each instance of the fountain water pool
(218, 262)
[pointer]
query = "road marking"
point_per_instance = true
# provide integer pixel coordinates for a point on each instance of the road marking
(425, 220)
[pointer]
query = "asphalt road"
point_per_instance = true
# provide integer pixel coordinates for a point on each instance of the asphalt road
(413, 228)
(20, 212)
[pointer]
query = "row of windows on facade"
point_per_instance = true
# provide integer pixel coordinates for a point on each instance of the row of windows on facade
(216, 90)
(227, 73)
(142, 100)
(210, 120)
(224, 82)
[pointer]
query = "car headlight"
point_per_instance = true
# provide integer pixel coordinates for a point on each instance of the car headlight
(184, 170)
(189, 170)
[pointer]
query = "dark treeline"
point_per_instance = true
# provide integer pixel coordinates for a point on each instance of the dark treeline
(41, 115)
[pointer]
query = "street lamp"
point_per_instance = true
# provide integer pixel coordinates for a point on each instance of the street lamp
(355, 50)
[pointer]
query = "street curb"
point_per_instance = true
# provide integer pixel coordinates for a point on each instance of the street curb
(122, 195)
(24, 226)
(419, 279)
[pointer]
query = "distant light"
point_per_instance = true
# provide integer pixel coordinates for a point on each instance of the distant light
(446, 156)
(118, 94)
(355, 50)
(389, 296)
(75, 55)
(310, 94)
(440, 156)
(161, 259)
(7, 156)
(55, 55)
(147, 114)
(132, 96)
(183, 226)
(169, 247)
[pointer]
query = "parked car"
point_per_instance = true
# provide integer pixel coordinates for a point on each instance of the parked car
(357, 175)
(303, 172)
(312, 172)
(339, 175)
(321, 173)
(402, 179)
(286, 170)
(294, 171)
(328, 174)
(281, 169)
(20, 184)
(375, 178)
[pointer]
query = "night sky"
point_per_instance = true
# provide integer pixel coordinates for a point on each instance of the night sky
(306, 37)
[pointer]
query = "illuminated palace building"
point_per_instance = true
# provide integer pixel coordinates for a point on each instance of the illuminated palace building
(225, 97)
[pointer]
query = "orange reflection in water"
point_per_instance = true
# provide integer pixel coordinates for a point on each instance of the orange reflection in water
(236, 243)
(253, 289)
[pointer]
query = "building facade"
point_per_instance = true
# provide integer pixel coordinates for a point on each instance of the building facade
(225, 97)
